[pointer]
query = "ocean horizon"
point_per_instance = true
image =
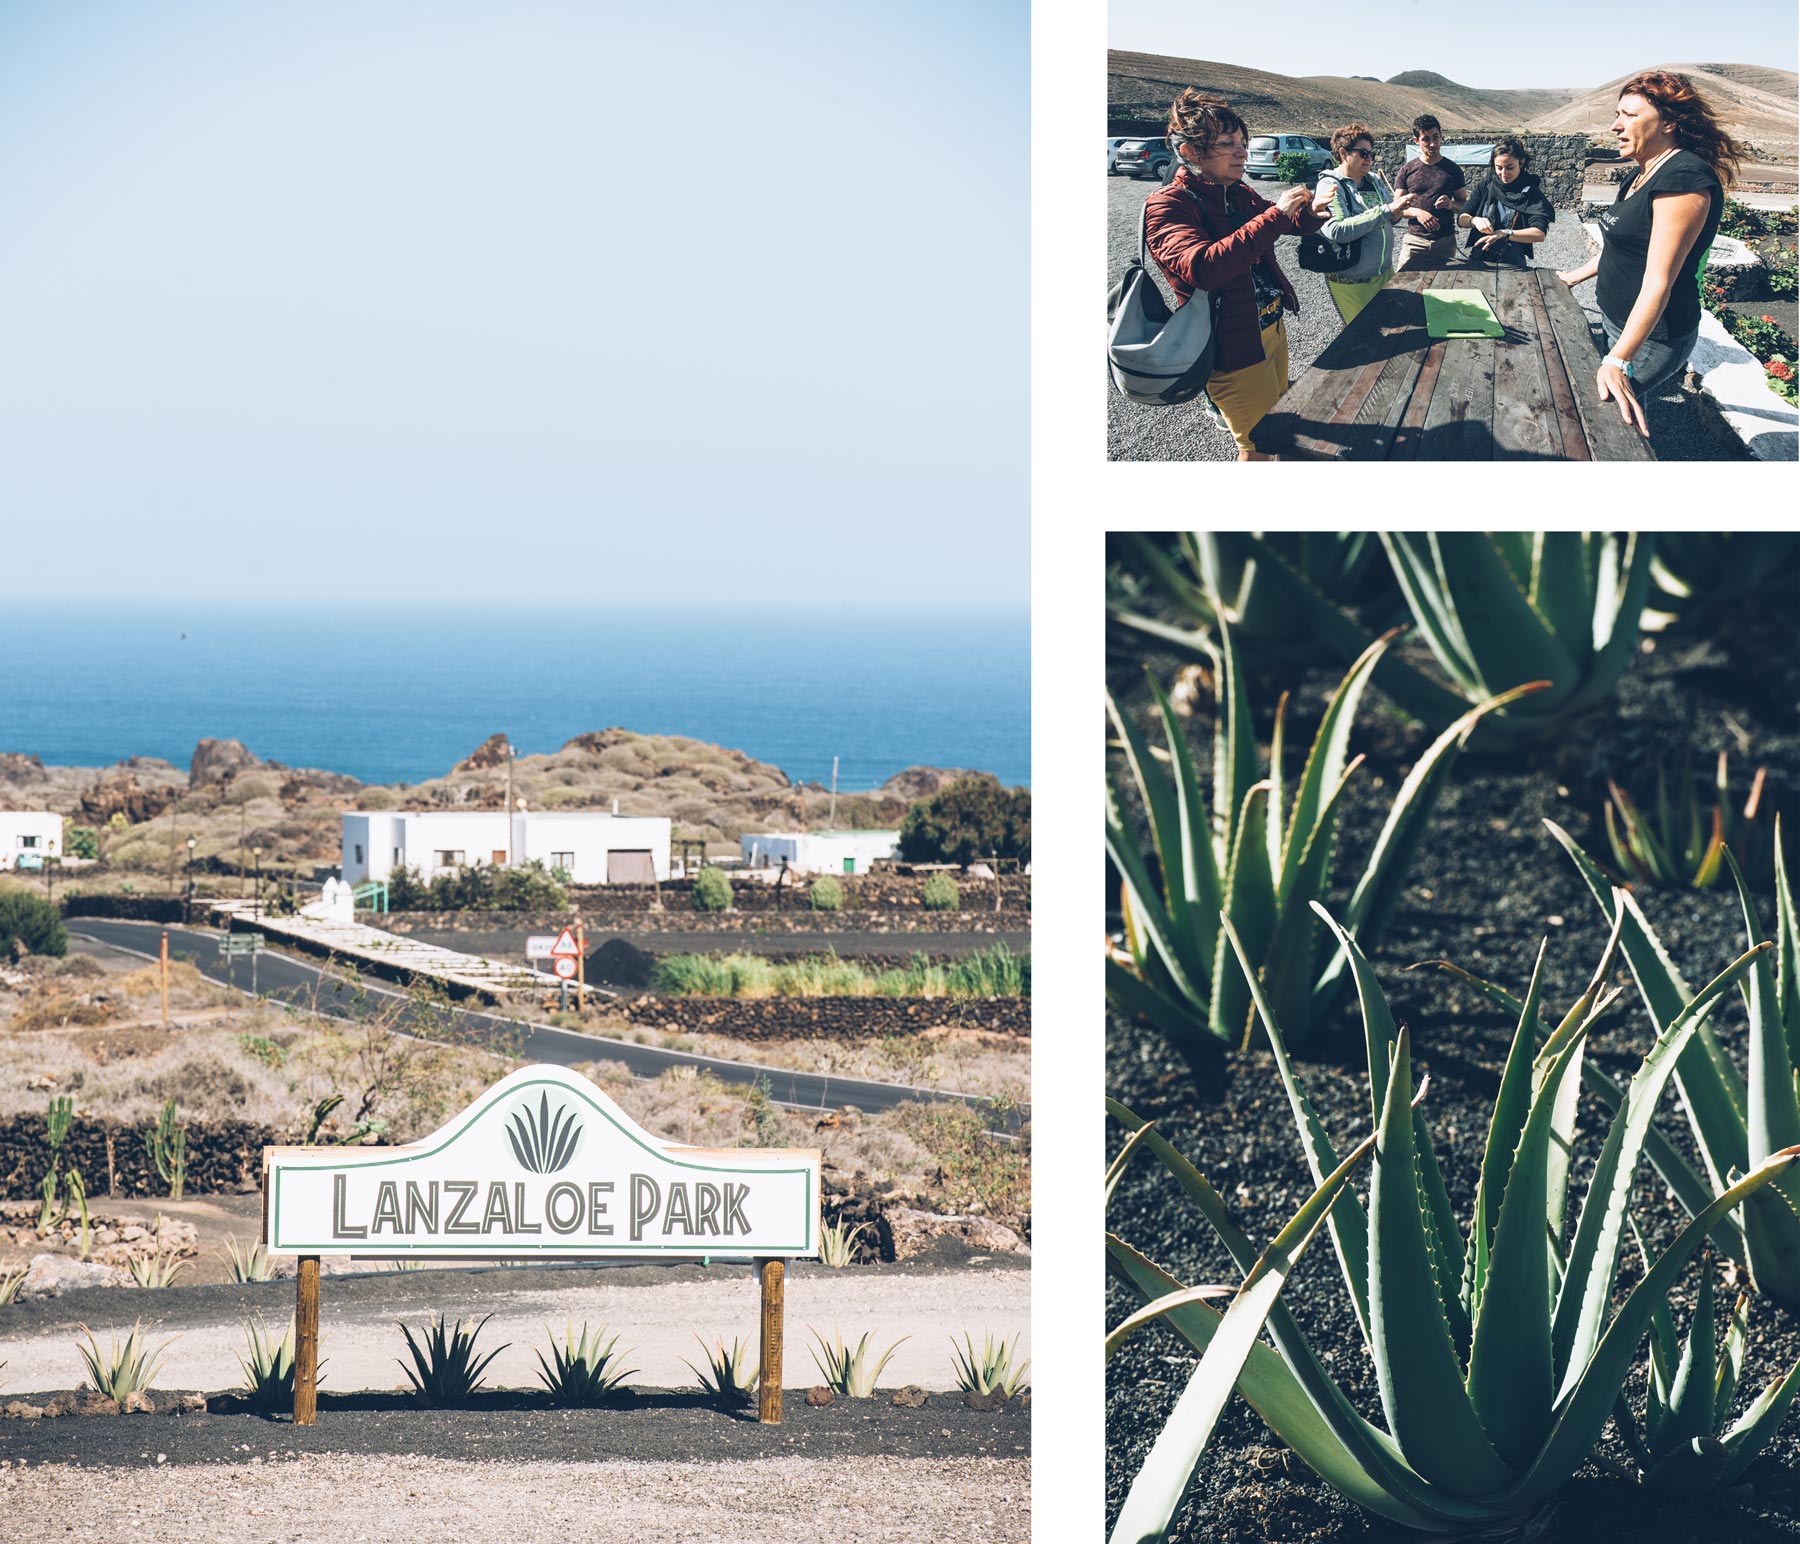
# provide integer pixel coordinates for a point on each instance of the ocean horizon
(400, 692)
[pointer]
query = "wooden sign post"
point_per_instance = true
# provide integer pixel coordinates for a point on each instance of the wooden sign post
(542, 1166)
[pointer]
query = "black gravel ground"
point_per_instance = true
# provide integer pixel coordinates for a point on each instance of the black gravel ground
(515, 1426)
(1487, 884)
(1680, 428)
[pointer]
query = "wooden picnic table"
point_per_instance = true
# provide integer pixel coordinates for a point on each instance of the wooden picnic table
(1385, 390)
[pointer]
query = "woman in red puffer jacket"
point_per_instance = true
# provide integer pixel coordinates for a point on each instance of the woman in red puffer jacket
(1208, 231)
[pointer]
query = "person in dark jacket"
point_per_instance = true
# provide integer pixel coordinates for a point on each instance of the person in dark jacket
(1509, 213)
(1207, 231)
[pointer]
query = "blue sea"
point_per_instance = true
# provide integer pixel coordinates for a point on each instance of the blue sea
(400, 693)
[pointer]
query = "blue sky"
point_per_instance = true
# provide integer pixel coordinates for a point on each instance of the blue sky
(456, 300)
(1526, 44)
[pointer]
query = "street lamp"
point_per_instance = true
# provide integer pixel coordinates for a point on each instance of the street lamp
(192, 842)
(256, 853)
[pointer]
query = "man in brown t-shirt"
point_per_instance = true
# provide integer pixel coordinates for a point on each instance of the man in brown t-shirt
(1439, 191)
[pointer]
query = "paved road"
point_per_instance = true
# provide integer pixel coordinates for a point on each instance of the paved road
(1678, 429)
(285, 978)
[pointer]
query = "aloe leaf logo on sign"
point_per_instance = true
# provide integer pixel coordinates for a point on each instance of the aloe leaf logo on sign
(544, 1143)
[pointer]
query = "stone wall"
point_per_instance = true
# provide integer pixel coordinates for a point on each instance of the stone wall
(824, 1018)
(222, 1157)
(1557, 160)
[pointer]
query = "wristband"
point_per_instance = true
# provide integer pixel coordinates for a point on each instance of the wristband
(1624, 366)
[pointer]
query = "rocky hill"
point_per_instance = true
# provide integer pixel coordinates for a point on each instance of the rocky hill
(232, 801)
(1141, 86)
(1755, 102)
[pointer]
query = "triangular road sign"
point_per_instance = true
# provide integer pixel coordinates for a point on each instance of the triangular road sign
(565, 944)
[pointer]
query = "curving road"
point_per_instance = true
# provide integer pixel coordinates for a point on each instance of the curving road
(290, 979)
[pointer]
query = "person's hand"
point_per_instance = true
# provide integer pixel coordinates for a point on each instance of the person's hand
(1497, 238)
(1322, 208)
(1569, 277)
(1443, 201)
(1613, 387)
(1401, 203)
(1427, 222)
(1481, 223)
(1292, 202)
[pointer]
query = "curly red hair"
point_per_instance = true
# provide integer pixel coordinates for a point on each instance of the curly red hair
(1696, 128)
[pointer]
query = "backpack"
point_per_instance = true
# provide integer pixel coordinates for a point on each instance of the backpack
(1158, 357)
(1317, 255)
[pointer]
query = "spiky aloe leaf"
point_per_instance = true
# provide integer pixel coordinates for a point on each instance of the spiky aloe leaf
(1169, 1468)
(1581, 1306)
(1271, 1390)
(1421, 1381)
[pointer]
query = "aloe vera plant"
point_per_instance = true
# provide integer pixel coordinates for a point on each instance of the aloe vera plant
(730, 1374)
(1700, 571)
(1497, 608)
(1678, 842)
(1738, 1117)
(445, 1369)
(583, 1369)
(1498, 1351)
(1254, 855)
(1685, 1444)
(1209, 577)
(850, 1370)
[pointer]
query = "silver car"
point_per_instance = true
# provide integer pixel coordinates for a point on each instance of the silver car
(1266, 151)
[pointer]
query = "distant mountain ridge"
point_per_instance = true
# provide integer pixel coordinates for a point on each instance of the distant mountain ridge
(1753, 101)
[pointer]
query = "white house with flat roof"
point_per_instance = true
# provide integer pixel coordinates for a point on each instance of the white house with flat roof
(31, 835)
(595, 847)
(819, 852)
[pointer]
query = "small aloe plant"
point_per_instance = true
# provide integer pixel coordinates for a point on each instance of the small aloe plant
(583, 1369)
(837, 1243)
(1677, 842)
(1498, 1351)
(1685, 1444)
(1497, 608)
(124, 1369)
(994, 1369)
(445, 1369)
(850, 1371)
(268, 1365)
(1254, 855)
(156, 1271)
(12, 1283)
(245, 1262)
(1739, 1117)
(729, 1375)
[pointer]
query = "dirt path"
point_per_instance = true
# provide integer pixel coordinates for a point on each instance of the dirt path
(406, 1500)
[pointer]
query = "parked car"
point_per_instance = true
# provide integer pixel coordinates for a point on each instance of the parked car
(1112, 154)
(1266, 151)
(1145, 158)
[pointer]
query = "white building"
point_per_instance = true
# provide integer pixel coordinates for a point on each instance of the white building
(819, 852)
(31, 835)
(596, 848)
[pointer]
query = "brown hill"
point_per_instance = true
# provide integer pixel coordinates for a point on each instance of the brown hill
(1752, 102)
(1141, 86)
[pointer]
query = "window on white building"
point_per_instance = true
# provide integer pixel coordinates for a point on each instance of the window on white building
(563, 860)
(28, 841)
(359, 856)
(449, 857)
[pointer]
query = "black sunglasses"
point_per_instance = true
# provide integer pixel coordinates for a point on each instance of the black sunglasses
(1358, 150)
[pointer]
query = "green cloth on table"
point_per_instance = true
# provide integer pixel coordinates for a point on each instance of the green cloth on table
(1460, 313)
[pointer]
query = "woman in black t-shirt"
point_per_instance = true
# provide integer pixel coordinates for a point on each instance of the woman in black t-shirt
(1657, 234)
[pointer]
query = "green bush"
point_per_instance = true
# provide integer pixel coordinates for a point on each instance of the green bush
(478, 887)
(974, 818)
(826, 895)
(712, 890)
(1295, 167)
(1762, 336)
(84, 841)
(941, 893)
(33, 921)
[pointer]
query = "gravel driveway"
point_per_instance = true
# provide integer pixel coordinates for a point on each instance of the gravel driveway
(1679, 430)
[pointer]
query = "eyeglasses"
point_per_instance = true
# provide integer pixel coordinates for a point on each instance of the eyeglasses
(1366, 154)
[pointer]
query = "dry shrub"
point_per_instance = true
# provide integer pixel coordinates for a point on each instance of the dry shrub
(62, 1010)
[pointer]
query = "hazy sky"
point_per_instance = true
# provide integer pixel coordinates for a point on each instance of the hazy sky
(513, 298)
(1531, 43)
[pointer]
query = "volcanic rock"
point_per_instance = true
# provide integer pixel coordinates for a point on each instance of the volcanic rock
(217, 760)
(905, 1232)
(490, 753)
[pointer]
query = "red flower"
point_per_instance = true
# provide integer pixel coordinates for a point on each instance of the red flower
(1768, 319)
(1780, 369)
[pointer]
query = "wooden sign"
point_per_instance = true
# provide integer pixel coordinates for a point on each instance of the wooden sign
(542, 1166)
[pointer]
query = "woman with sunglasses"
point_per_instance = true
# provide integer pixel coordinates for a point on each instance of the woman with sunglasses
(1359, 208)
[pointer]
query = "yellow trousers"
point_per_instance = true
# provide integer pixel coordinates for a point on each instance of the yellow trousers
(1351, 298)
(1243, 396)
